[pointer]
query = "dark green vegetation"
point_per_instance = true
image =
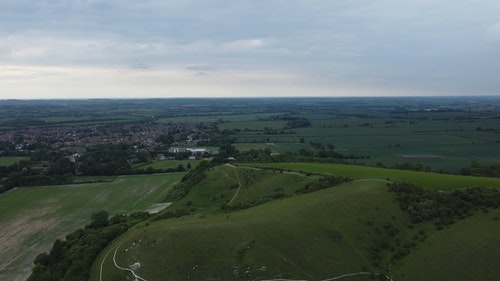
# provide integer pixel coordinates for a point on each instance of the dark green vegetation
(443, 208)
(70, 259)
(372, 187)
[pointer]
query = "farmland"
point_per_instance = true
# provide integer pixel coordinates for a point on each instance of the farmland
(166, 164)
(32, 218)
(442, 134)
(7, 161)
(293, 188)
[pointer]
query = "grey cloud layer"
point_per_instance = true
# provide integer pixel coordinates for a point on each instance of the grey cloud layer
(442, 46)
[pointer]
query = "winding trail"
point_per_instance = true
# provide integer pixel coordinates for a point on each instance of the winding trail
(136, 277)
(102, 263)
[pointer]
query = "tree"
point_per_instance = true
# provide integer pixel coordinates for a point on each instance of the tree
(142, 156)
(99, 219)
(180, 168)
(62, 166)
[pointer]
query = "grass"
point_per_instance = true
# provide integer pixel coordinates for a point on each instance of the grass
(10, 160)
(428, 180)
(313, 236)
(166, 164)
(32, 218)
(316, 236)
(255, 146)
(253, 125)
(274, 147)
(222, 186)
(468, 250)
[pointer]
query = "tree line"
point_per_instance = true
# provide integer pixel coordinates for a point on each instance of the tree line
(443, 208)
(71, 258)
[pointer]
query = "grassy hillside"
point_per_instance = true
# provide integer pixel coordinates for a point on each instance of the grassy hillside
(428, 180)
(313, 236)
(468, 250)
(233, 187)
(32, 218)
(352, 228)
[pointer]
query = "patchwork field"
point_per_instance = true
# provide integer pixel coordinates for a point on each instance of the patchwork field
(439, 134)
(32, 218)
(265, 221)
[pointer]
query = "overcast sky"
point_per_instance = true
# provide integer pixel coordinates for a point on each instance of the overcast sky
(232, 48)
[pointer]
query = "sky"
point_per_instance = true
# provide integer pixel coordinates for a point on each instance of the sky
(245, 48)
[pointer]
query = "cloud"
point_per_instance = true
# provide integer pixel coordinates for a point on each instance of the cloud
(385, 44)
(32, 82)
(494, 31)
(28, 52)
(244, 44)
(140, 66)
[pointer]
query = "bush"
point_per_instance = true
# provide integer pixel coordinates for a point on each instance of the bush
(71, 259)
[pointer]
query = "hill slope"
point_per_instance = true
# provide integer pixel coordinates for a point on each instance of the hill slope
(468, 250)
(427, 180)
(354, 228)
(313, 236)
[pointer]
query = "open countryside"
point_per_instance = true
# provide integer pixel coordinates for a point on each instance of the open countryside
(252, 189)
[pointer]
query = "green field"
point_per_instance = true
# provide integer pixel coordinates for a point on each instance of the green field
(10, 160)
(32, 218)
(428, 180)
(166, 164)
(388, 131)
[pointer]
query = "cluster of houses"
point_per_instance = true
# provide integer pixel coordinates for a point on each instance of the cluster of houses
(146, 134)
